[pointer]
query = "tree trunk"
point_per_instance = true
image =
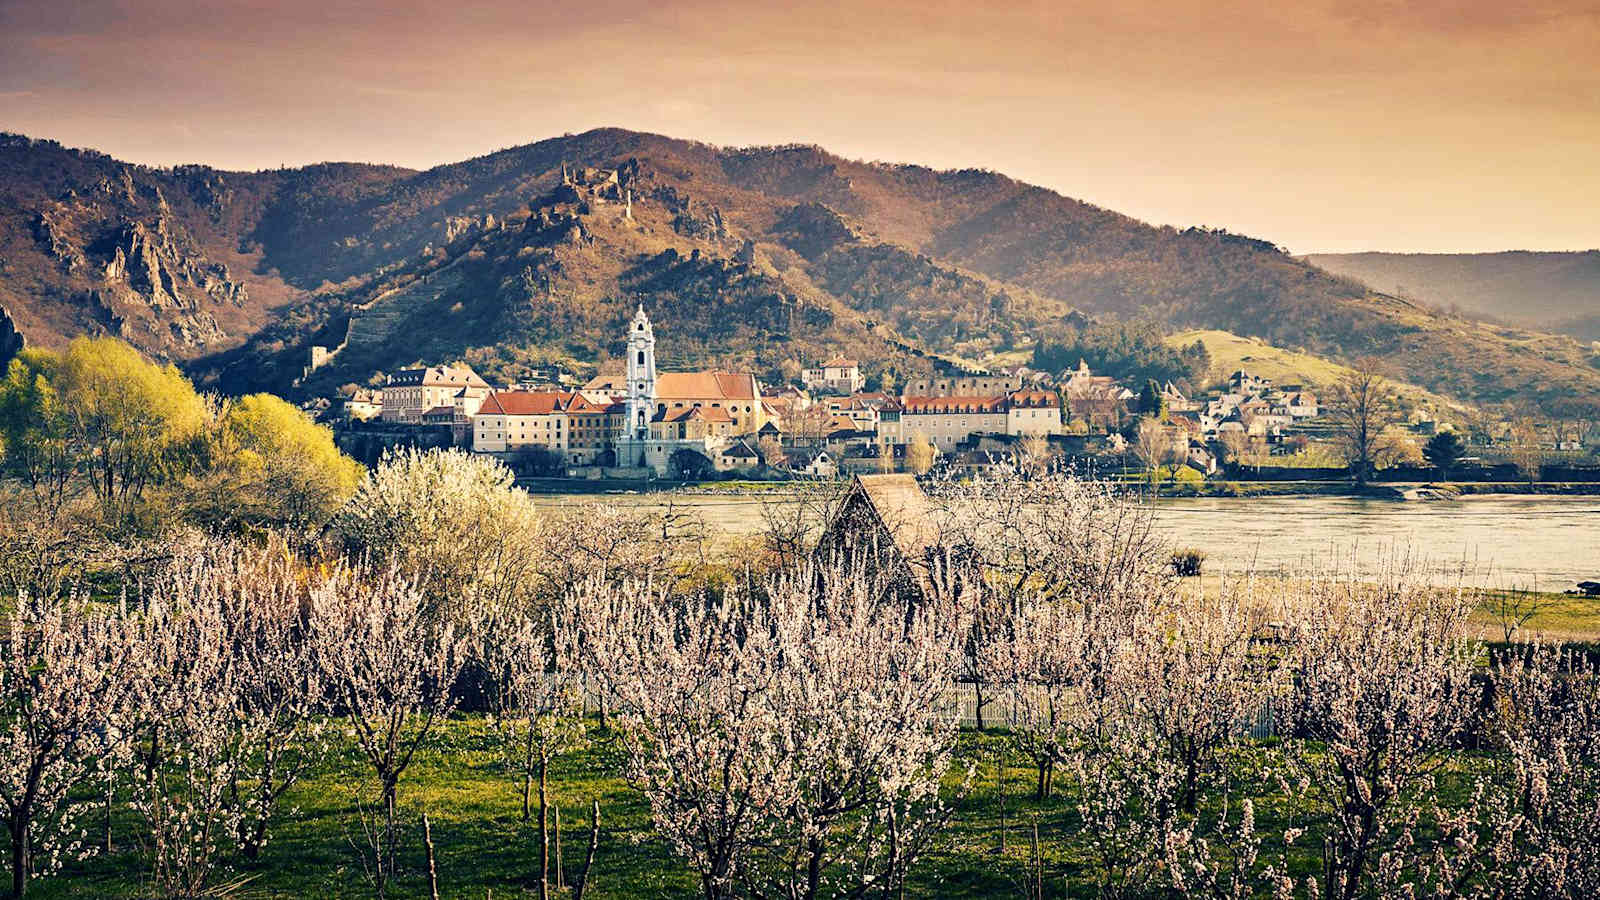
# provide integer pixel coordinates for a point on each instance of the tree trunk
(111, 787)
(527, 794)
(1000, 791)
(386, 848)
(977, 693)
(813, 868)
(19, 854)
(1038, 866)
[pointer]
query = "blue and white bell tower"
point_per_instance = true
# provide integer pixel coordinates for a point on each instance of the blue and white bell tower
(641, 377)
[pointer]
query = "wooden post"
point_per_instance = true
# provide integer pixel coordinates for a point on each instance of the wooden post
(544, 829)
(559, 881)
(1038, 865)
(1000, 764)
(588, 859)
(433, 872)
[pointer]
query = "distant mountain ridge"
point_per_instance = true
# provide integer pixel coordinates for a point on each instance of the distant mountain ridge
(1556, 291)
(762, 257)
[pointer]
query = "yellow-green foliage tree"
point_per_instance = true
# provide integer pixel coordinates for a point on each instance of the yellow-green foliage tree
(34, 444)
(136, 422)
(920, 454)
(99, 418)
(269, 463)
(101, 411)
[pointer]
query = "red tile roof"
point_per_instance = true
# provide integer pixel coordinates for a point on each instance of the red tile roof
(706, 386)
(1035, 399)
(524, 403)
(947, 405)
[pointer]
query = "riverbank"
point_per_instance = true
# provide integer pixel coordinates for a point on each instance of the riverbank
(1397, 491)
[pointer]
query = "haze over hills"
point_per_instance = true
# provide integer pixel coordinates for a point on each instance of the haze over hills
(1552, 291)
(764, 257)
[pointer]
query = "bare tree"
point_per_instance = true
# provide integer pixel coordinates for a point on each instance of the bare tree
(1361, 408)
(1513, 609)
(1527, 448)
(1151, 446)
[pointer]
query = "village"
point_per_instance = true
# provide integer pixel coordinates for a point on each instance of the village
(645, 423)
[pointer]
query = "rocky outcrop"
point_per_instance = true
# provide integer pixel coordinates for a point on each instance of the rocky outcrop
(10, 338)
(57, 242)
(151, 262)
(689, 217)
(812, 229)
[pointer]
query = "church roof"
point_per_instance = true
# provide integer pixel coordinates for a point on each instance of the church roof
(707, 386)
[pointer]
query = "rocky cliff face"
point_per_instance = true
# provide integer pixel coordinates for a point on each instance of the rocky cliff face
(149, 282)
(107, 252)
(10, 339)
(759, 257)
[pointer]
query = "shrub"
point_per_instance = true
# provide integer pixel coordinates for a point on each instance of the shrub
(1186, 563)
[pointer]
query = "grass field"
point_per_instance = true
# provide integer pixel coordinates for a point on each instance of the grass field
(483, 850)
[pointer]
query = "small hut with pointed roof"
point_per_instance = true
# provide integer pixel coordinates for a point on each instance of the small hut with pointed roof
(885, 522)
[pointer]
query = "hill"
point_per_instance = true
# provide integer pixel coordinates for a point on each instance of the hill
(765, 257)
(1230, 352)
(1553, 291)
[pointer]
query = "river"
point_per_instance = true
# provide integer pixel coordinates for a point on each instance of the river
(1549, 543)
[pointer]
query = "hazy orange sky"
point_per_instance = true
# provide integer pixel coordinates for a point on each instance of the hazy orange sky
(1324, 126)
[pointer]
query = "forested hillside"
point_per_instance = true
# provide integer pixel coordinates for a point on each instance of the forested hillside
(1553, 291)
(762, 257)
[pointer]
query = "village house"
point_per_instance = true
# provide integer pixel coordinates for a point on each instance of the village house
(411, 392)
(363, 405)
(592, 427)
(1243, 382)
(1301, 405)
(1033, 413)
(508, 421)
(862, 414)
(947, 421)
(813, 461)
(738, 456)
(837, 375)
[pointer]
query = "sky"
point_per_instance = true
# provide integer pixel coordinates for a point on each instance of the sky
(1325, 126)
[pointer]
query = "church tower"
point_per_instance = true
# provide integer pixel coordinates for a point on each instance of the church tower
(641, 376)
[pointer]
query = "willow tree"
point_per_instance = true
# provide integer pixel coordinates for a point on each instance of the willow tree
(269, 463)
(131, 422)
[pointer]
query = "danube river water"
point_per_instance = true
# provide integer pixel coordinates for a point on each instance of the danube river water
(1549, 543)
